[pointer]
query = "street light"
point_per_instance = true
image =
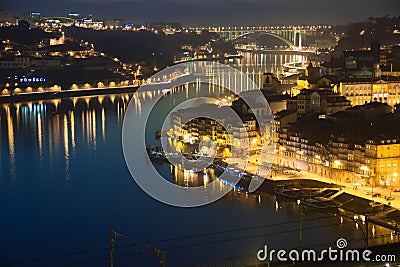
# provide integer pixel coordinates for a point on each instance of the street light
(391, 183)
(336, 163)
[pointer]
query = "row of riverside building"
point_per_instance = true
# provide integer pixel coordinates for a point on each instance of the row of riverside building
(345, 124)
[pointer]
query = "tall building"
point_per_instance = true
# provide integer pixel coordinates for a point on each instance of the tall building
(35, 17)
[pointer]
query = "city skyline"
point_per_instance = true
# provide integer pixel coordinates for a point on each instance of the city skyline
(206, 12)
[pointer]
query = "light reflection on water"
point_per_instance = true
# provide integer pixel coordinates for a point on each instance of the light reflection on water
(73, 138)
(258, 63)
(64, 183)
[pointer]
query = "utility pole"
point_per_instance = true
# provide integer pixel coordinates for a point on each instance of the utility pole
(114, 235)
(366, 232)
(301, 227)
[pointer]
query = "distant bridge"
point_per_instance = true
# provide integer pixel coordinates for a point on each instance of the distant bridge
(293, 36)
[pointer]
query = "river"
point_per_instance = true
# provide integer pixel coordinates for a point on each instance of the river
(64, 184)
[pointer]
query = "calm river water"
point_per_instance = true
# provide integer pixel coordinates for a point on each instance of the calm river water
(64, 184)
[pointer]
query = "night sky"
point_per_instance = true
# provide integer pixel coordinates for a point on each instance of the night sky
(215, 12)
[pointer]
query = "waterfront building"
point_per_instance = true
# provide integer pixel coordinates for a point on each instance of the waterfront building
(216, 125)
(27, 62)
(344, 145)
(282, 119)
(15, 63)
(187, 127)
(383, 159)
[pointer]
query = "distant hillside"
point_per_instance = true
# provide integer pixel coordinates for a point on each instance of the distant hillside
(362, 34)
(143, 46)
(23, 35)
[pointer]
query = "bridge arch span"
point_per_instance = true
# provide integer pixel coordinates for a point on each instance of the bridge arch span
(289, 43)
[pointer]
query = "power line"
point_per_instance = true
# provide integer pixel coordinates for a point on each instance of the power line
(165, 240)
(232, 239)
(321, 245)
(198, 235)
(254, 236)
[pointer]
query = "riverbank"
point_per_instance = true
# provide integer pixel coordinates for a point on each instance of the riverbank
(260, 51)
(360, 191)
(319, 192)
(46, 95)
(331, 197)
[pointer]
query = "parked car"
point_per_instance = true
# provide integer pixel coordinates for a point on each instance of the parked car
(389, 198)
(397, 190)
(376, 195)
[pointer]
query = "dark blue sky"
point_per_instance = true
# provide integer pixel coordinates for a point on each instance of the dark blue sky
(215, 12)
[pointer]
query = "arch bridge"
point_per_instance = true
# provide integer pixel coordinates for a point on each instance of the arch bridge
(292, 36)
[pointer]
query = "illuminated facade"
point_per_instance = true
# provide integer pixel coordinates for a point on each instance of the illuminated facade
(320, 101)
(361, 91)
(188, 128)
(114, 24)
(375, 162)
(383, 159)
(351, 156)
(27, 62)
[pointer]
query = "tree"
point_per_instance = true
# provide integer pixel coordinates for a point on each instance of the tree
(23, 25)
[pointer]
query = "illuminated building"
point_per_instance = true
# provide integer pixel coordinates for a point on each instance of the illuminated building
(282, 119)
(187, 127)
(114, 24)
(57, 41)
(270, 82)
(35, 17)
(74, 16)
(382, 160)
(189, 130)
(366, 75)
(361, 91)
(320, 101)
(89, 22)
(351, 151)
